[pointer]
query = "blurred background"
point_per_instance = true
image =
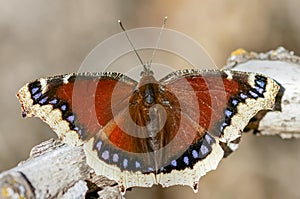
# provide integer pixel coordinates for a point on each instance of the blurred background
(44, 38)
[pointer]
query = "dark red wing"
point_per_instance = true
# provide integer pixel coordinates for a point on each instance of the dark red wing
(84, 101)
(212, 91)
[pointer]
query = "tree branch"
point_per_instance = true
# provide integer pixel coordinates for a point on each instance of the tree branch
(55, 170)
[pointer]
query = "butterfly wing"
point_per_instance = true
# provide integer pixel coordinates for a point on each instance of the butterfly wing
(221, 105)
(75, 106)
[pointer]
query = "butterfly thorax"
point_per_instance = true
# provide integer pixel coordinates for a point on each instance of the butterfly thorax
(146, 110)
(148, 89)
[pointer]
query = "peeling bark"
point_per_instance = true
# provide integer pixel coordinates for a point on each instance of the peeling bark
(55, 170)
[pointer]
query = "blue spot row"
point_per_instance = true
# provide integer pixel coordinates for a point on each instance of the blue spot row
(35, 91)
(259, 88)
(47, 98)
(260, 84)
(114, 157)
(196, 152)
(191, 156)
(255, 92)
(229, 113)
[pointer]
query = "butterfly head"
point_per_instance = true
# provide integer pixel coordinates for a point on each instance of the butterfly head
(147, 70)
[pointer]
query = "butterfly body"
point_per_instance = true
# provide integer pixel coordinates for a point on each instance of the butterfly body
(167, 132)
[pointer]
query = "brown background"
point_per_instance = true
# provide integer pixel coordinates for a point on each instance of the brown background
(42, 38)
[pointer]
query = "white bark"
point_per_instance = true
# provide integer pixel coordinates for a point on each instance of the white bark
(54, 170)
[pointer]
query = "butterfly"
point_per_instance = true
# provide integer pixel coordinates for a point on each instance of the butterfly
(169, 132)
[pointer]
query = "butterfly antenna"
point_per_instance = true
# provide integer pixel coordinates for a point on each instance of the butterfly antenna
(119, 21)
(158, 39)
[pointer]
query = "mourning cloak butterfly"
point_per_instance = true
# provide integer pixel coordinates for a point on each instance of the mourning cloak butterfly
(167, 132)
